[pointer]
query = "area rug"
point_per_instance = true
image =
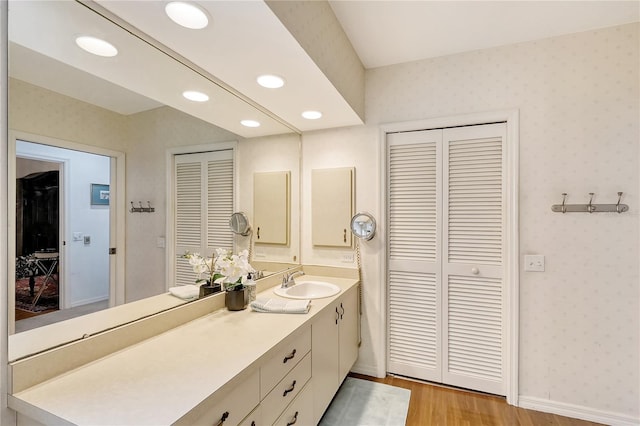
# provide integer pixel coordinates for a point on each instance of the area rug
(48, 300)
(365, 403)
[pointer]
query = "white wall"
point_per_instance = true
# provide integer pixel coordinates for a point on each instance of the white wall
(86, 266)
(578, 97)
(270, 154)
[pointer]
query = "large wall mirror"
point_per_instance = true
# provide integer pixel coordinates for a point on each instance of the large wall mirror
(73, 119)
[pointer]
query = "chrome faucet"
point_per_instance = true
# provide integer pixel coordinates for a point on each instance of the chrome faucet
(287, 279)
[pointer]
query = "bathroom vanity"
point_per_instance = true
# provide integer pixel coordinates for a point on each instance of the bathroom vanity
(220, 368)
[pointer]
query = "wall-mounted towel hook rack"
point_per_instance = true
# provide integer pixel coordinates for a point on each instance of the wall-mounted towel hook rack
(589, 207)
(141, 209)
(618, 203)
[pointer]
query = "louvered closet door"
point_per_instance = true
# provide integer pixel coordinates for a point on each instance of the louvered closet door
(414, 332)
(203, 199)
(473, 238)
(446, 192)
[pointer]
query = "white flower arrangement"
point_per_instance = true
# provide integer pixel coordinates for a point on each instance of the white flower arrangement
(224, 268)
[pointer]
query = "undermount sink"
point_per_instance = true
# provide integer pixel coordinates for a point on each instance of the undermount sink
(308, 290)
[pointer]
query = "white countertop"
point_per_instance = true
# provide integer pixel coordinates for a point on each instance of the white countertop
(161, 379)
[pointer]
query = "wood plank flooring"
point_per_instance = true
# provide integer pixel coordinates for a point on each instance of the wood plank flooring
(438, 405)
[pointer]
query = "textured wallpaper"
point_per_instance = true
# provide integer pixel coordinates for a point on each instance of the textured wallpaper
(578, 97)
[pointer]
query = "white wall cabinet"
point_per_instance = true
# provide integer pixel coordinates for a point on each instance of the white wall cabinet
(332, 199)
(271, 207)
(334, 343)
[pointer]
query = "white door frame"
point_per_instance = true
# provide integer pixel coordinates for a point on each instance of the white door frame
(117, 210)
(511, 117)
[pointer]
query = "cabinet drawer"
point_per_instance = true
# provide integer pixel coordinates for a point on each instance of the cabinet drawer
(254, 418)
(288, 355)
(229, 407)
(300, 411)
(274, 404)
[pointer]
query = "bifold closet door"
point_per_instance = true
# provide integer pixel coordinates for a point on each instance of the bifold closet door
(472, 262)
(203, 199)
(414, 264)
(445, 255)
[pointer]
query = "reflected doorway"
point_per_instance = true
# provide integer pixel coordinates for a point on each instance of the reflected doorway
(37, 278)
(62, 234)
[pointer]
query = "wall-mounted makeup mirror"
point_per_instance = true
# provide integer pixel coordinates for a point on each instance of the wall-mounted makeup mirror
(363, 226)
(239, 224)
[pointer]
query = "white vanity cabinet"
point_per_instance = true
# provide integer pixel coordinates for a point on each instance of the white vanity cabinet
(334, 344)
(287, 370)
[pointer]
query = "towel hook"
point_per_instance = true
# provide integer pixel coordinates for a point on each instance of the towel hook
(590, 206)
(618, 203)
(564, 198)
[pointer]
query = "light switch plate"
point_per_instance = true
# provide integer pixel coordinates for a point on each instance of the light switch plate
(77, 236)
(347, 258)
(534, 263)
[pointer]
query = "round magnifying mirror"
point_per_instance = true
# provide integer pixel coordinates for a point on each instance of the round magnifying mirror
(363, 226)
(239, 224)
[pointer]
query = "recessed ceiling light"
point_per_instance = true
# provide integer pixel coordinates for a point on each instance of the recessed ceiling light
(250, 123)
(96, 46)
(270, 81)
(192, 95)
(312, 115)
(187, 15)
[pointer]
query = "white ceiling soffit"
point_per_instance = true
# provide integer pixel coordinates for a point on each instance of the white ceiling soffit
(392, 32)
(245, 39)
(50, 28)
(27, 65)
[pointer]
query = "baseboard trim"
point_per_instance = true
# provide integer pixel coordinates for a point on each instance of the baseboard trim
(77, 303)
(576, 411)
(366, 370)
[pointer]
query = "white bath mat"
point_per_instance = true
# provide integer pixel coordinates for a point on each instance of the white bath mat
(364, 403)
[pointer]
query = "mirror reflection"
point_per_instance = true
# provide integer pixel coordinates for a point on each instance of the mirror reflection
(63, 105)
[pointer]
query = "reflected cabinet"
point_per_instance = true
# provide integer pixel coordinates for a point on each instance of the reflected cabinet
(271, 207)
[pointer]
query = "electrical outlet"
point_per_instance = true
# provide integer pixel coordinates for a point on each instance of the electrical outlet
(77, 236)
(534, 263)
(347, 258)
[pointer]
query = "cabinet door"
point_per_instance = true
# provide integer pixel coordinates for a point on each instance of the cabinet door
(324, 359)
(271, 207)
(332, 206)
(348, 331)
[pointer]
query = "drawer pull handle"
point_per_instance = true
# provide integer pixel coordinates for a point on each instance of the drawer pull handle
(224, 417)
(341, 307)
(337, 315)
(253, 423)
(293, 386)
(288, 357)
(295, 419)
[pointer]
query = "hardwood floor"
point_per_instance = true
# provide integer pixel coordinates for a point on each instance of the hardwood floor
(432, 405)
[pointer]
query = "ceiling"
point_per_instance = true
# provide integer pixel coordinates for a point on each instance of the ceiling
(391, 32)
(246, 39)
